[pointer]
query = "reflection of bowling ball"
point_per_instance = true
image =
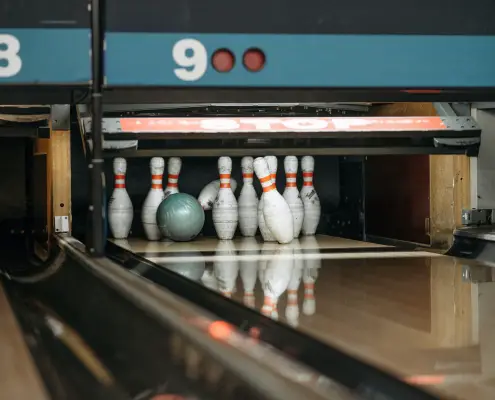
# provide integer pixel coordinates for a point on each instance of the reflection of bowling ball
(180, 217)
(192, 270)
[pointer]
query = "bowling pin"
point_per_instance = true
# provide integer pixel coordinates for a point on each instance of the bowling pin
(310, 274)
(248, 269)
(153, 199)
(292, 308)
(276, 211)
(174, 166)
(311, 201)
(291, 194)
(276, 278)
(265, 232)
(120, 211)
(225, 212)
(226, 269)
(209, 193)
(248, 200)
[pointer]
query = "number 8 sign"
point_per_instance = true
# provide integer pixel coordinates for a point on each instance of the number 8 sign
(192, 58)
(10, 62)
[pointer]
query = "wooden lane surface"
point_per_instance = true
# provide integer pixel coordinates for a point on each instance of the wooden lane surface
(19, 377)
(209, 244)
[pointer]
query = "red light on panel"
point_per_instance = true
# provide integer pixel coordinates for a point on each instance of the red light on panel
(254, 60)
(223, 60)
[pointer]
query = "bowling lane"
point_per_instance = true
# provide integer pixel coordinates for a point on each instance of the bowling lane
(208, 246)
(410, 313)
(19, 377)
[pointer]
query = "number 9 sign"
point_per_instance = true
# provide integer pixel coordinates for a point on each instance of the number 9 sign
(9, 52)
(192, 58)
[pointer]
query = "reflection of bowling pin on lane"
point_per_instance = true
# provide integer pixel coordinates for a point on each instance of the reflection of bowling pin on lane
(225, 212)
(249, 269)
(265, 232)
(120, 211)
(292, 308)
(209, 279)
(311, 201)
(276, 211)
(209, 193)
(275, 279)
(226, 270)
(310, 274)
(153, 199)
(248, 200)
(291, 194)
(174, 166)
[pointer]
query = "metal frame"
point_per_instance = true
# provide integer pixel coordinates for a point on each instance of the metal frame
(172, 95)
(97, 206)
(276, 151)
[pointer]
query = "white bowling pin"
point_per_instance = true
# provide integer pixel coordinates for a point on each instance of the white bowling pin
(209, 193)
(292, 308)
(291, 194)
(265, 232)
(225, 213)
(311, 201)
(248, 200)
(227, 269)
(310, 274)
(174, 166)
(249, 269)
(120, 211)
(276, 211)
(153, 199)
(276, 278)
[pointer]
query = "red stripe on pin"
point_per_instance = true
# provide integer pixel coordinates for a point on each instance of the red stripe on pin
(269, 188)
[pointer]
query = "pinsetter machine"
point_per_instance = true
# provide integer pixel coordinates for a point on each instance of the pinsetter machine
(395, 102)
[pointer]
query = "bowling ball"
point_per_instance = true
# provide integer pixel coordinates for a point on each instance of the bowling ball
(180, 217)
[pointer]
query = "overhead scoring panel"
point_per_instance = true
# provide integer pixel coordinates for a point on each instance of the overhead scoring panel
(44, 42)
(310, 44)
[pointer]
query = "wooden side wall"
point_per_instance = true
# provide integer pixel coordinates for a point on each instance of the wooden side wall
(58, 179)
(449, 180)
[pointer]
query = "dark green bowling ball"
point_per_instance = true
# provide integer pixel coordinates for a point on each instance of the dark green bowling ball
(180, 217)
